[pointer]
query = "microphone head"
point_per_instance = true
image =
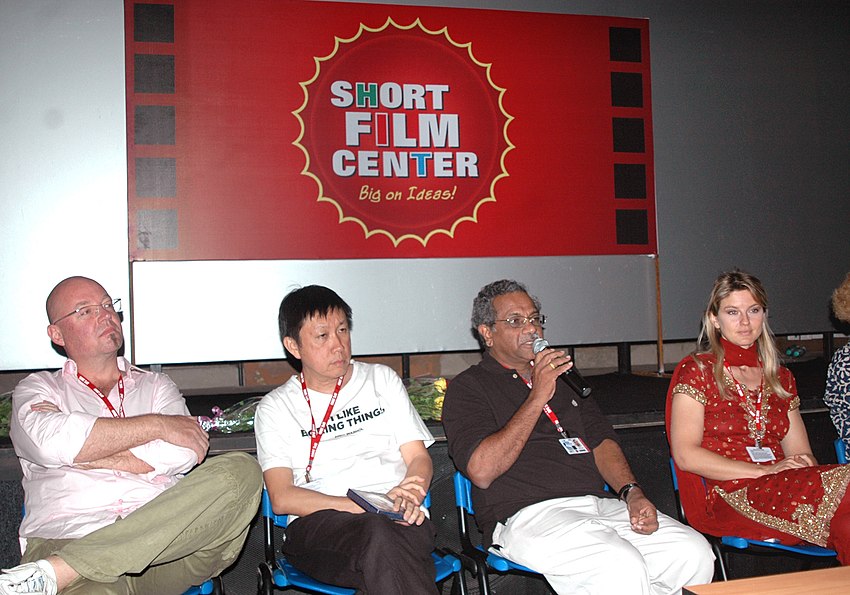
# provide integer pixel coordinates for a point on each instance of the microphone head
(539, 344)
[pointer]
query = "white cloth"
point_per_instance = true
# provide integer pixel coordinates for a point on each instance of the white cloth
(360, 448)
(585, 544)
(62, 500)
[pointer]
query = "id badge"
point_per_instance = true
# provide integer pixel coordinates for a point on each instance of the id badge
(761, 454)
(574, 446)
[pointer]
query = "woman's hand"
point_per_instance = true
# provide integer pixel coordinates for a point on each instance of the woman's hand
(792, 462)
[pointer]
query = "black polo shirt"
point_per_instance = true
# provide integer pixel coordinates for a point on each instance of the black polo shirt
(481, 400)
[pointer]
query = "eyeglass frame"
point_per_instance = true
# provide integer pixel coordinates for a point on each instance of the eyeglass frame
(113, 304)
(541, 320)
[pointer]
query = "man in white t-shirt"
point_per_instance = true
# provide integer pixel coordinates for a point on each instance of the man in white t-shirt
(337, 425)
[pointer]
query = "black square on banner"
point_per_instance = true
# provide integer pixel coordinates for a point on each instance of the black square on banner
(632, 227)
(153, 22)
(629, 180)
(156, 177)
(628, 135)
(154, 73)
(626, 89)
(155, 125)
(625, 44)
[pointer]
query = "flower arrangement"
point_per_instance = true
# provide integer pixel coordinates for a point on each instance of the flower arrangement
(236, 418)
(426, 394)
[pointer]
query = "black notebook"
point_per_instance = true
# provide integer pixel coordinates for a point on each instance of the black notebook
(375, 502)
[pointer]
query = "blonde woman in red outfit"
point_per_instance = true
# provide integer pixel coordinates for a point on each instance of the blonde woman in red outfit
(737, 437)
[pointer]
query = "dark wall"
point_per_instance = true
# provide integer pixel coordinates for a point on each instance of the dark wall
(750, 126)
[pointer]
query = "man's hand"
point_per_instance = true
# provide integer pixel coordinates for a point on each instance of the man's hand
(642, 513)
(548, 365)
(407, 498)
(184, 430)
(180, 430)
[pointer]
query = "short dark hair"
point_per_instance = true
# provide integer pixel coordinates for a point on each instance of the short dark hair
(306, 302)
(483, 311)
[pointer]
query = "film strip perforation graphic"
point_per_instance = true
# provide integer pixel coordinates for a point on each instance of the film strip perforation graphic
(628, 90)
(152, 128)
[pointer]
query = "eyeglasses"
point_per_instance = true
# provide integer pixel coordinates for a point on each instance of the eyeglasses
(91, 310)
(521, 321)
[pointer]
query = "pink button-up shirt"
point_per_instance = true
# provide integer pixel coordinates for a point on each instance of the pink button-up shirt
(63, 500)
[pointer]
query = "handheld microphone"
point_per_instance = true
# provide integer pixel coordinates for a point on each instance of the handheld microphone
(572, 377)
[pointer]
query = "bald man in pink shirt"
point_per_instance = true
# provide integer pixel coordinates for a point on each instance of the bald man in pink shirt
(104, 447)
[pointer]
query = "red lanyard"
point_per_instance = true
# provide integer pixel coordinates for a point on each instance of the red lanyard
(316, 433)
(554, 419)
(758, 429)
(95, 390)
(548, 411)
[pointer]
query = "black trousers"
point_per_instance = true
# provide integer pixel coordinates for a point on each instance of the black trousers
(367, 552)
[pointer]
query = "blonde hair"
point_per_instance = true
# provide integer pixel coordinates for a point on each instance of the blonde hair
(841, 300)
(709, 337)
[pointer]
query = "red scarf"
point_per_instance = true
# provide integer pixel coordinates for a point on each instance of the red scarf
(738, 356)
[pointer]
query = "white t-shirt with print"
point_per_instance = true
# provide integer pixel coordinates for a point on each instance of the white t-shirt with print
(360, 448)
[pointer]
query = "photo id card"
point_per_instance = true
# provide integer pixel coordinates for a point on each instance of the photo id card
(761, 454)
(574, 446)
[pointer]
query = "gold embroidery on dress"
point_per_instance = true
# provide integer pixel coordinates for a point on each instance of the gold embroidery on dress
(689, 390)
(806, 524)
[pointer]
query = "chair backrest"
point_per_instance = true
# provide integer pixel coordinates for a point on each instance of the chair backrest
(463, 492)
(673, 474)
(840, 451)
(690, 492)
(463, 503)
(679, 508)
(209, 587)
(279, 520)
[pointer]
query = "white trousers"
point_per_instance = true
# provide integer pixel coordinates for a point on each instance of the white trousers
(586, 545)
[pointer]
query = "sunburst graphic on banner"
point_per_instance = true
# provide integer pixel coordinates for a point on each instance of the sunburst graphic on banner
(403, 131)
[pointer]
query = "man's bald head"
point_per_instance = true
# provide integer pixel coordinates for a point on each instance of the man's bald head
(55, 298)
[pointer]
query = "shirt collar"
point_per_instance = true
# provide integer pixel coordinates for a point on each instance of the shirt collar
(492, 365)
(70, 367)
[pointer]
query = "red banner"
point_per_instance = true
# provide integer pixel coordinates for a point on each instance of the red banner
(309, 130)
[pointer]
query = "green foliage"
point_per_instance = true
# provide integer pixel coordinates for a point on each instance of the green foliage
(427, 394)
(5, 413)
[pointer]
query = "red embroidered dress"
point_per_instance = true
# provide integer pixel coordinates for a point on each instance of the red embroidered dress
(794, 505)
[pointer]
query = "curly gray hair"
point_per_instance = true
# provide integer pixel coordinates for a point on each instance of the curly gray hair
(483, 311)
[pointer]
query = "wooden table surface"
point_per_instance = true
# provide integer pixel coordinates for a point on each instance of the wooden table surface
(812, 582)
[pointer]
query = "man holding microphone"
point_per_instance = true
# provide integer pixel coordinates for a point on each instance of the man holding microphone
(539, 455)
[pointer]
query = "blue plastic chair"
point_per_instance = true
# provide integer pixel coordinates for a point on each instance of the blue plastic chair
(727, 544)
(840, 451)
(277, 572)
(211, 586)
(483, 561)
